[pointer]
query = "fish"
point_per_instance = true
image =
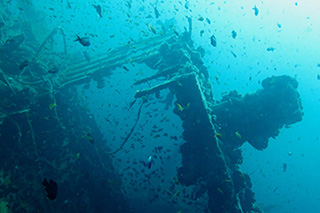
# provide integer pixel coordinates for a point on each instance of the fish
(284, 167)
(238, 135)
(125, 68)
(156, 12)
(256, 10)
(149, 162)
(23, 64)
(53, 69)
(200, 19)
(201, 32)
(180, 108)
(213, 41)
(51, 106)
(220, 191)
(69, 5)
(270, 49)
(98, 9)
(152, 29)
(234, 34)
(218, 135)
(176, 194)
(77, 156)
(51, 188)
(90, 138)
(83, 40)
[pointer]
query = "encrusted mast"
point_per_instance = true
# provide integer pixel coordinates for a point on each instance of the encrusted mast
(214, 131)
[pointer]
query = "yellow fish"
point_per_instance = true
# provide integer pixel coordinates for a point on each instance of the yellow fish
(180, 108)
(176, 194)
(242, 176)
(151, 28)
(220, 190)
(51, 106)
(176, 181)
(238, 135)
(218, 135)
(77, 155)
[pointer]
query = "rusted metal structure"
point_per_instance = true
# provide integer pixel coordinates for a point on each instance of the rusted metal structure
(210, 155)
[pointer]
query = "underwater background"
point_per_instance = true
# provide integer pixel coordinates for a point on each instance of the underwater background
(254, 40)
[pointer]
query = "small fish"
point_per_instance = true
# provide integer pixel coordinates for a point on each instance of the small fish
(176, 194)
(156, 12)
(98, 9)
(201, 32)
(77, 155)
(220, 191)
(152, 29)
(23, 64)
(175, 179)
(270, 49)
(149, 162)
(84, 41)
(90, 138)
(53, 69)
(213, 41)
(51, 188)
(125, 68)
(279, 25)
(69, 5)
(51, 106)
(284, 167)
(243, 176)
(218, 135)
(238, 135)
(234, 34)
(318, 76)
(256, 10)
(180, 108)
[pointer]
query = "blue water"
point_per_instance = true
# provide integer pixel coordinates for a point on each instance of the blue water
(291, 28)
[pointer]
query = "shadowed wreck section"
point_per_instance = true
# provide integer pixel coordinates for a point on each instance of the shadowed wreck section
(43, 116)
(257, 116)
(214, 131)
